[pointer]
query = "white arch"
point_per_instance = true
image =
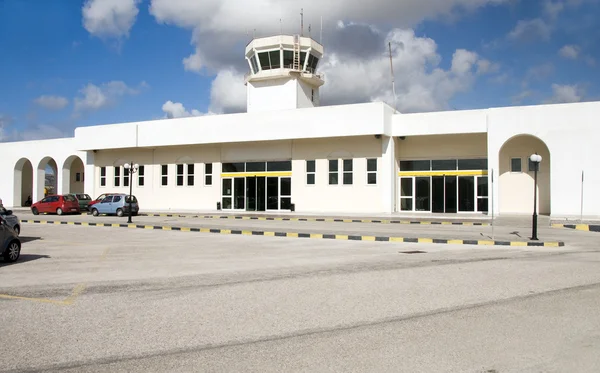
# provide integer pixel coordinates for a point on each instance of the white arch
(68, 182)
(22, 181)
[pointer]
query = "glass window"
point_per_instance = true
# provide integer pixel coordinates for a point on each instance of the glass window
(472, 164)
(515, 165)
(141, 174)
(348, 171)
(415, 165)
(254, 64)
(264, 61)
(272, 193)
(371, 171)
(423, 194)
(125, 177)
(227, 187)
(311, 169)
(466, 193)
(133, 199)
(333, 172)
(102, 176)
(482, 186)
(190, 175)
(443, 165)
(286, 186)
(275, 61)
(406, 187)
(302, 59)
(117, 199)
(164, 175)
(179, 175)
(70, 198)
(255, 166)
(78, 176)
(233, 167)
(208, 169)
(406, 204)
(117, 176)
(279, 166)
(288, 59)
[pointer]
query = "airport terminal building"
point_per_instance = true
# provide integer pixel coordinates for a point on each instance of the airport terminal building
(288, 153)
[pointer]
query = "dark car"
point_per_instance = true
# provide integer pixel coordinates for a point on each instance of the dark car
(10, 245)
(84, 200)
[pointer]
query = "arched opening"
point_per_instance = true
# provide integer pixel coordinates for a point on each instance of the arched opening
(73, 173)
(23, 182)
(47, 172)
(517, 176)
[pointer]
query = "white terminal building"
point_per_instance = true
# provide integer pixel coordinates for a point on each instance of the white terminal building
(288, 153)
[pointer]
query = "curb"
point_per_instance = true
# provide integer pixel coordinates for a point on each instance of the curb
(306, 235)
(579, 227)
(327, 220)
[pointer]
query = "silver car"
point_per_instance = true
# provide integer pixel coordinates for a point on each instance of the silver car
(10, 245)
(11, 219)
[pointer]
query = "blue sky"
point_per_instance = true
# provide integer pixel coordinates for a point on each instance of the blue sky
(56, 73)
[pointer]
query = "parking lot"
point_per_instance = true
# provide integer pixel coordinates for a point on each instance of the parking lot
(92, 299)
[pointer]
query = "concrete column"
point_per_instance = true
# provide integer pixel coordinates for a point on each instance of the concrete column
(62, 176)
(39, 180)
(387, 174)
(493, 177)
(89, 174)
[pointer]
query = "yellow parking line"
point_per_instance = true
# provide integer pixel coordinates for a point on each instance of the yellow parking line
(39, 300)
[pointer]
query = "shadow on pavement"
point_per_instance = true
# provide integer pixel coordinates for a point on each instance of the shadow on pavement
(24, 258)
(25, 239)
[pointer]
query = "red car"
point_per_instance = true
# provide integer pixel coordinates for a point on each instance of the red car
(59, 204)
(98, 200)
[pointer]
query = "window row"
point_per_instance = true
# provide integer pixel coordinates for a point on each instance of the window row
(275, 60)
(274, 166)
(184, 175)
(445, 165)
(346, 171)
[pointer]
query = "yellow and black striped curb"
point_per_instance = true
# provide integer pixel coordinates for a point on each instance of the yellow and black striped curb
(327, 220)
(579, 227)
(306, 235)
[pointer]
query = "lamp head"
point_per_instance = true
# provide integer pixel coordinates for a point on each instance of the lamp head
(127, 165)
(536, 158)
(136, 166)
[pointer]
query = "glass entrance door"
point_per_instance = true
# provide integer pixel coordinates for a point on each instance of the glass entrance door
(443, 193)
(255, 193)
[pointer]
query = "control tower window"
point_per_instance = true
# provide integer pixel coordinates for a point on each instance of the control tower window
(254, 64)
(302, 58)
(288, 59)
(312, 63)
(275, 61)
(269, 60)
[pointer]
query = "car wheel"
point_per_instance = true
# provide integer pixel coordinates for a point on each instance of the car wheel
(13, 252)
(17, 229)
(119, 212)
(35, 211)
(95, 212)
(59, 211)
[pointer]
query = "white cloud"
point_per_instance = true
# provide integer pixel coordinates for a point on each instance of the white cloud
(177, 110)
(530, 31)
(4, 122)
(228, 93)
(566, 94)
(93, 97)
(355, 33)
(570, 52)
(519, 98)
(109, 18)
(52, 102)
(553, 8)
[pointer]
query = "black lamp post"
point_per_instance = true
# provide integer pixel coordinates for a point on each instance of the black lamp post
(536, 159)
(132, 169)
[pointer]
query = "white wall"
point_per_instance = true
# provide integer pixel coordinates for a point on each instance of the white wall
(276, 94)
(570, 132)
(36, 152)
(472, 145)
(320, 122)
(305, 95)
(440, 123)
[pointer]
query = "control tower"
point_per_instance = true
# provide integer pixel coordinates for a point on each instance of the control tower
(283, 73)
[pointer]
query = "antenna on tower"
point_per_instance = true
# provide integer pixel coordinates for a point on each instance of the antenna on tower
(393, 79)
(309, 30)
(321, 35)
(302, 22)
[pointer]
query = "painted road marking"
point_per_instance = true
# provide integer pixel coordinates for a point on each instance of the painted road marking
(326, 236)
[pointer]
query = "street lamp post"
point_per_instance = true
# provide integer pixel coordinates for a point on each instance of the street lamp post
(132, 169)
(536, 159)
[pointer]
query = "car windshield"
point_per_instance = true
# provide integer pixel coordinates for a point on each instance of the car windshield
(83, 197)
(69, 198)
(133, 199)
